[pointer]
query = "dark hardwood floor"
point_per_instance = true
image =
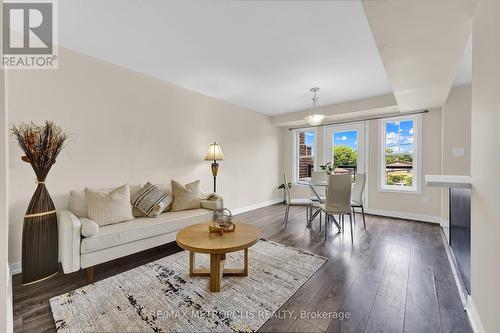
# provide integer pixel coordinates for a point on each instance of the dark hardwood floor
(395, 277)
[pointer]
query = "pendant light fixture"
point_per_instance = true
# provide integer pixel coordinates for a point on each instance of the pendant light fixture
(315, 119)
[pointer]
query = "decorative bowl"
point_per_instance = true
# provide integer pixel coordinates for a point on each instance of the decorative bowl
(221, 221)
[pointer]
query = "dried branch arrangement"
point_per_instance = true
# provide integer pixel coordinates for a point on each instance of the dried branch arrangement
(41, 144)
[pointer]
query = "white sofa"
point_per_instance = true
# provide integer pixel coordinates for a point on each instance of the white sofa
(113, 241)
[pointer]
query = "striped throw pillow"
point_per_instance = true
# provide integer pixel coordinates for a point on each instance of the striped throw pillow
(151, 201)
(108, 207)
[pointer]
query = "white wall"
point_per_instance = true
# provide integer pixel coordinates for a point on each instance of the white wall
(456, 129)
(485, 222)
(5, 281)
(127, 127)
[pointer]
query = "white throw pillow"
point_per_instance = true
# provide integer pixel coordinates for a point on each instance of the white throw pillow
(78, 205)
(107, 208)
(89, 228)
(186, 196)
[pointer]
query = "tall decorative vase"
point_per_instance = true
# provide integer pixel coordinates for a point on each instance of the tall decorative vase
(40, 241)
(41, 144)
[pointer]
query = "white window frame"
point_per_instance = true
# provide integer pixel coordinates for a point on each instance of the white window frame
(417, 155)
(295, 155)
(361, 128)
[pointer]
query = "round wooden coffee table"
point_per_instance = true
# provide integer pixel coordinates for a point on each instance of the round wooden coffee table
(197, 239)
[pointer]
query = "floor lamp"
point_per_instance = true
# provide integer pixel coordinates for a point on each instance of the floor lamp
(214, 154)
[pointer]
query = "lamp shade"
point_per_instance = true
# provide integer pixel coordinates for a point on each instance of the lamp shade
(315, 119)
(214, 153)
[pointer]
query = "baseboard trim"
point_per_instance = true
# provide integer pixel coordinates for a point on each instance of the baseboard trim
(236, 211)
(469, 306)
(15, 268)
(462, 291)
(475, 320)
(404, 215)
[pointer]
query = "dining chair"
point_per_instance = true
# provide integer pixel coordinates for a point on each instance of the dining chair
(294, 202)
(357, 196)
(338, 200)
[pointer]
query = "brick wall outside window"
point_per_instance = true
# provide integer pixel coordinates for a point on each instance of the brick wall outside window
(305, 157)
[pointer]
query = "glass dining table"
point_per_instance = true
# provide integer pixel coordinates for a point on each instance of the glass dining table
(313, 186)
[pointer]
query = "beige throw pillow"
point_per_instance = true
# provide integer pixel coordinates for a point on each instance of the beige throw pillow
(186, 196)
(107, 208)
(77, 203)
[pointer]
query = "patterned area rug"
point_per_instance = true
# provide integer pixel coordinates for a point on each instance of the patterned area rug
(161, 297)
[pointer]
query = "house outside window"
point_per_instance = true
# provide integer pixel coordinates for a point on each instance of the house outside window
(400, 154)
(304, 154)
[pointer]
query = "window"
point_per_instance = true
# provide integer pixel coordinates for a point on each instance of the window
(399, 154)
(304, 152)
(345, 151)
(346, 148)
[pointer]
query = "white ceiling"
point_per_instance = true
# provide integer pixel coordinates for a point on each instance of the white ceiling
(261, 55)
(421, 45)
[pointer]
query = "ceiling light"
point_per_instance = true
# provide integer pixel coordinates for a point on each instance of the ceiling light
(315, 119)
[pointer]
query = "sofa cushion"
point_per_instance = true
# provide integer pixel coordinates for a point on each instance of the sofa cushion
(186, 196)
(151, 201)
(78, 205)
(107, 208)
(143, 227)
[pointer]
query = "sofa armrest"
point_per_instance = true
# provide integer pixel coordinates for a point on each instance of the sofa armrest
(212, 201)
(69, 229)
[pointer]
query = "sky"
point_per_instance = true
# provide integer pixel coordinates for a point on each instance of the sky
(309, 139)
(399, 136)
(346, 138)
